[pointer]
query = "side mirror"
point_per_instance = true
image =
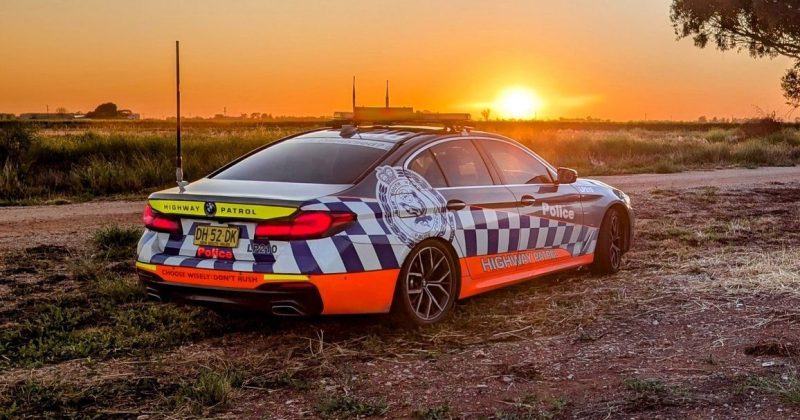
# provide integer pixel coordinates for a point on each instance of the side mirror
(567, 175)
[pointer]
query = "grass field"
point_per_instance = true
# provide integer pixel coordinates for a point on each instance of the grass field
(52, 163)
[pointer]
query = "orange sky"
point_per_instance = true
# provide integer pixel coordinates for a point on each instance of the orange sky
(612, 59)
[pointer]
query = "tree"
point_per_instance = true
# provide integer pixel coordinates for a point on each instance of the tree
(106, 110)
(764, 28)
(486, 113)
(61, 110)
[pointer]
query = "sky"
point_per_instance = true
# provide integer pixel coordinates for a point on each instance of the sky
(615, 59)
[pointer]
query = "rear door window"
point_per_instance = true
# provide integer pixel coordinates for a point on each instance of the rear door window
(308, 160)
(425, 165)
(462, 164)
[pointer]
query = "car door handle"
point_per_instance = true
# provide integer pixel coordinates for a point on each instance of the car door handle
(456, 205)
(527, 200)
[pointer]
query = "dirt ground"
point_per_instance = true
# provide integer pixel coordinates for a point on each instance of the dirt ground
(701, 322)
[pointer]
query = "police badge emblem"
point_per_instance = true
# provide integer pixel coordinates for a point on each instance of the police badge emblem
(412, 209)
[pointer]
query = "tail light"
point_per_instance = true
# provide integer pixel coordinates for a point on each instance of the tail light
(154, 220)
(305, 225)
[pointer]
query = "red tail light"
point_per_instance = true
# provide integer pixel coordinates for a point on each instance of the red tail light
(154, 220)
(305, 225)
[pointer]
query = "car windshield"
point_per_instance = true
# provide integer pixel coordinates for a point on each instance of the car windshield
(308, 160)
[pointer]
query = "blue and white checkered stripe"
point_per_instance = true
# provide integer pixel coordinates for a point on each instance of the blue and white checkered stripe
(481, 231)
(369, 244)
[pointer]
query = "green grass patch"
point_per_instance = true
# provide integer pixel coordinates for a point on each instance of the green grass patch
(346, 407)
(645, 386)
(53, 332)
(211, 389)
(116, 242)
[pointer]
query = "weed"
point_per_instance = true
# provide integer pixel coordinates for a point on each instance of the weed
(788, 388)
(209, 389)
(651, 393)
(291, 380)
(645, 386)
(530, 406)
(439, 412)
(346, 406)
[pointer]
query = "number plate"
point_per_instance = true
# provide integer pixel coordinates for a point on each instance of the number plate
(220, 236)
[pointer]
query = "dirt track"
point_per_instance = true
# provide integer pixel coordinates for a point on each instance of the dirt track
(70, 224)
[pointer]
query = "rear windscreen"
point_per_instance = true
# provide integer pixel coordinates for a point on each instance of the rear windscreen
(309, 160)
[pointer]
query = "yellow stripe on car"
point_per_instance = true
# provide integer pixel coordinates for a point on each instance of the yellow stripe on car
(285, 277)
(146, 267)
(223, 210)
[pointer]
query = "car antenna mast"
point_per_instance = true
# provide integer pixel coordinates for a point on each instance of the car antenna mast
(178, 159)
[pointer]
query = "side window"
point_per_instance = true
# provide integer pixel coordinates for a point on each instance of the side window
(425, 165)
(515, 165)
(462, 164)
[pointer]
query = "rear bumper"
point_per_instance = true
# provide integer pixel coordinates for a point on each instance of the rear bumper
(286, 299)
(281, 294)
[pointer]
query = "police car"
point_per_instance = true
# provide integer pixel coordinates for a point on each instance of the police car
(370, 216)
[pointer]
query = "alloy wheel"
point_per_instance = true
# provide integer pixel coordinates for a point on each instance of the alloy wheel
(429, 283)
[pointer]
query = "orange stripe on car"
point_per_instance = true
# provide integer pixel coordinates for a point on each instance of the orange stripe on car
(488, 272)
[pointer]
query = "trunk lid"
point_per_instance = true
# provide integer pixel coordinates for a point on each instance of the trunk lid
(208, 204)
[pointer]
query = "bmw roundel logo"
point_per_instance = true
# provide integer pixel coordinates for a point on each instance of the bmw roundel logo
(210, 208)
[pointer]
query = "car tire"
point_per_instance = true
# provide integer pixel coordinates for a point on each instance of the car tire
(608, 251)
(427, 286)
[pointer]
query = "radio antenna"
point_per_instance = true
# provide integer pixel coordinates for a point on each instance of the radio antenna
(354, 94)
(178, 158)
(387, 94)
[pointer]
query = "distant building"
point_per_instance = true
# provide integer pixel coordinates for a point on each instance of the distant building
(46, 116)
(128, 114)
(7, 117)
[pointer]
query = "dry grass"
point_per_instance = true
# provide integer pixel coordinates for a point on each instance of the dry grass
(668, 335)
(83, 162)
(746, 273)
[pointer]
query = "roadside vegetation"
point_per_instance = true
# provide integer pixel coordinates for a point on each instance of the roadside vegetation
(55, 165)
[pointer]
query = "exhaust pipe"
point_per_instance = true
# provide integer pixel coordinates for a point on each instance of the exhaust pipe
(286, 310)
(154, 295)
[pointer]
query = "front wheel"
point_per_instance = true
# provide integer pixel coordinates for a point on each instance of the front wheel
(608, 252)
(427, 286)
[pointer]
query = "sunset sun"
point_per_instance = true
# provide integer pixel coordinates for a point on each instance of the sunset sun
(518, 103)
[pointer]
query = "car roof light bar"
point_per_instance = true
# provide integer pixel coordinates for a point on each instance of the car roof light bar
(399, 115)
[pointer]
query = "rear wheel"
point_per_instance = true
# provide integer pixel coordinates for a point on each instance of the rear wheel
(427, 287)
(608, 252)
